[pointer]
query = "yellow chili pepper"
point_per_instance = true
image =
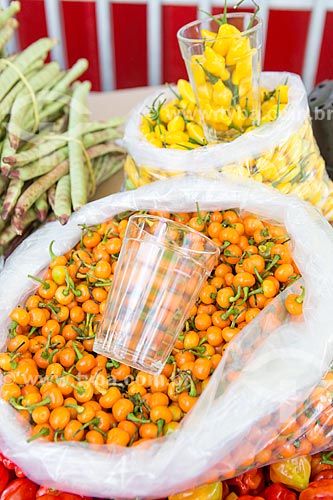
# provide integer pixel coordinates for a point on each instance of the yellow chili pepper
(168, 111)
(175, 137)
(232, 496)
(211, 491)
(156, 142)
(170, 428)
(239, 48)
(131, 172)
(209, 37)
(198, 73)
(267, 169)
(283, 90)
(147, 125)
(237, 116)
(186, 91)
(225, 36)
(294, 472)
(205, 92)
(195, 132)
(222, 95)
(215, 115)
(176, 124)
(242, 71)
(215, 64)
(160, 131)
(267, 105)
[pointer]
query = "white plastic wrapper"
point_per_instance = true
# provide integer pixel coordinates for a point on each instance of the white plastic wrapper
(277, 366)
(282, 153)
(250, 145)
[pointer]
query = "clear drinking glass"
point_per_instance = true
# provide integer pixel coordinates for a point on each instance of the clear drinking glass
(223, 62)
(161, 268)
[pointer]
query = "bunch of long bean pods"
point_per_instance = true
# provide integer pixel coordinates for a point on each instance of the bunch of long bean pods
(52, 157)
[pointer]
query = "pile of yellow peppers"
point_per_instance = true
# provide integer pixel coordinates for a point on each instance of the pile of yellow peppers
(176, 124)
(294, 166)
(223, 79)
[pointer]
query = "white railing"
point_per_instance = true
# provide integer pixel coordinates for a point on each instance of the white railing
(318, 8)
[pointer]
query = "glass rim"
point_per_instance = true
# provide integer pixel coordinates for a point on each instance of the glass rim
(250, 31)
(215, 248)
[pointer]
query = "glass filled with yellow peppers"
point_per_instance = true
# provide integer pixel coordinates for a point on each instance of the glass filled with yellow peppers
(223, 60)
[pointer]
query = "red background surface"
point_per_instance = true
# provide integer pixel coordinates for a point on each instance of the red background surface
(283, 51)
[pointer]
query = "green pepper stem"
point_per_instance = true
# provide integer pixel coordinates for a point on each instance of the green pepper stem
(254, 292)
(229, 312)
(104, 434)
(237, 296)
(199, 213)
(30, 408)
(44, 432)
(46, 286)
(301, 297)
(112, 364)
(80, 390)
(246, 295)
(278, 105)
(94, 421)
(52, 307)
(133, 418)
(275, 259)
(12, 329)
(52, 254)
(259, 278)
(160, 424)
(193, 389)
(79, 355)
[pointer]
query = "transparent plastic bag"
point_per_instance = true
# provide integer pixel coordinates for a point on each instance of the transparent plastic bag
(283, 153)
(267, 373)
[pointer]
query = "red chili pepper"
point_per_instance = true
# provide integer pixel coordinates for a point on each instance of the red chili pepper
(8, 463)
(48, 496)
(70, 496)
(43, 491)
(252, 481)
(47, 491)
(19, 472)
(318, 490)
(11, 466)
(324, 474)
(278, 491)
(20, 489)
(250, 497)
(4, 477)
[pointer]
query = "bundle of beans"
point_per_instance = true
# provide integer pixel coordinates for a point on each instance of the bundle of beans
(52, 157)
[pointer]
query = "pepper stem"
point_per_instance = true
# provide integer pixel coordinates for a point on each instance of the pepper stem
(199, 213)
(94, 421)
(301, 297)
(46, 286)
(44, 432)
(237, 296)
(275, 259)
(133, 418)
(160, 424)
(77, 352)
(51, 252)
(259, 278)
(79, 409)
